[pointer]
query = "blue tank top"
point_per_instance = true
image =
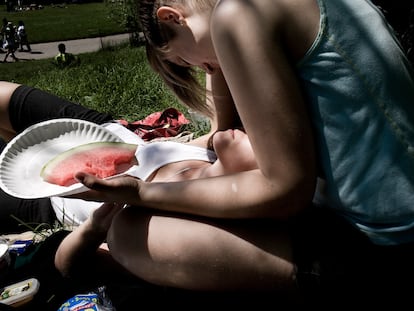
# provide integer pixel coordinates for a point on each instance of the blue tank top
(360, 90)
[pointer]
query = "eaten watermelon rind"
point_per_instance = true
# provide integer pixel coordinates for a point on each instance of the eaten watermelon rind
(50, 166)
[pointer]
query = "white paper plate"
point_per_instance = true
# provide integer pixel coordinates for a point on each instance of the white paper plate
(23, 158)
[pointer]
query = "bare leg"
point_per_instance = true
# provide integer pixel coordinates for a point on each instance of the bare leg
(6, 91)
(14, 56)
(195, 255)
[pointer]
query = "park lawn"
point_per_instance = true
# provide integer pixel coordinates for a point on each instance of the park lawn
(66, 22)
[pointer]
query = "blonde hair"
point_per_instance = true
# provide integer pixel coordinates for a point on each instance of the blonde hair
(183, 81)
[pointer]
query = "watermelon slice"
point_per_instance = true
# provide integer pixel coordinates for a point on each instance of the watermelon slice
(102, 159)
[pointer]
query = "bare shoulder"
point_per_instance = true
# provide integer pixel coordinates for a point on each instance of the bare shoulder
(244, 21)
(293, 22)
(235, 11)
(269, 10)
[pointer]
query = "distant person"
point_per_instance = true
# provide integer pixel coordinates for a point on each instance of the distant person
(10, 42)
(22, 37)
(65, 59)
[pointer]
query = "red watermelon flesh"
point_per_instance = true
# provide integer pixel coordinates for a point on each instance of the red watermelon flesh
(102, 159)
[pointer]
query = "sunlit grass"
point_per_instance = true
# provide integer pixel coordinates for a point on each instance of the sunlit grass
(65, 22)
(116, 80)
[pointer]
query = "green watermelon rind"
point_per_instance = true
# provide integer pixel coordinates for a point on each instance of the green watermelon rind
(52, 163)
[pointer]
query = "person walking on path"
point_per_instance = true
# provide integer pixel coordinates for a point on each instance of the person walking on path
(23, 37)
(10, 42)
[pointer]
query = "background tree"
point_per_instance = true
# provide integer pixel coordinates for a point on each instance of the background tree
(124, 12)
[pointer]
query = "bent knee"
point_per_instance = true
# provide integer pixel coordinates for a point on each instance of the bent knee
(154, 247)
(128, 231)
(128, 242)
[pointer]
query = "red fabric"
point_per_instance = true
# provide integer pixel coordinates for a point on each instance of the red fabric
(167, 123)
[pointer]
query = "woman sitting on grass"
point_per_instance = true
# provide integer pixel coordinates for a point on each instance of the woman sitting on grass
(323, 89)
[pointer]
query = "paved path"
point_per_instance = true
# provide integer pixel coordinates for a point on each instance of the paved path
(49, 50)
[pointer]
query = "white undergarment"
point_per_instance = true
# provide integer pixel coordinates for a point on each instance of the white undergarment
(150, 155)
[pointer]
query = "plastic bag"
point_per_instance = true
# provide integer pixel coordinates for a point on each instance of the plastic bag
(94, 301)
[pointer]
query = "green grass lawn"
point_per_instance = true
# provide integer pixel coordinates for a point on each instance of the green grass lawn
(116, 80)
(66, 22)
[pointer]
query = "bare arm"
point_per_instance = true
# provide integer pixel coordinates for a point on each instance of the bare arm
(258, 74)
